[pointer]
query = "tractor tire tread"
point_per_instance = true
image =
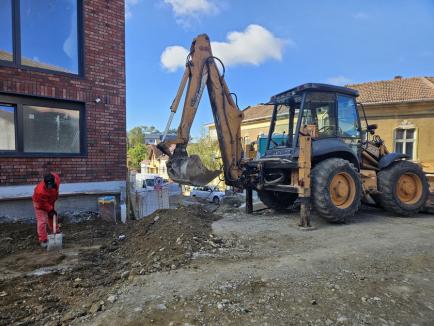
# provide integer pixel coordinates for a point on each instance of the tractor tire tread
(321, 200)
(386, 185)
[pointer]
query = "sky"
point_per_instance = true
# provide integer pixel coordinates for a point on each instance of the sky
(270, 46)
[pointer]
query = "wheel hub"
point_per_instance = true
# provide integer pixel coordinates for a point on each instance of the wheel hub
(409, 188)
(342, 190)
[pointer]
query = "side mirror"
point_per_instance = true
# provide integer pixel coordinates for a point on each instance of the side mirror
(371, 128)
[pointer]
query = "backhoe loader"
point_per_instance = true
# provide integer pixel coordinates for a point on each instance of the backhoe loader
(326, 159)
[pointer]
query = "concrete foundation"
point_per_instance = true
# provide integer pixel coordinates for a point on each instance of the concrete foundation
(74, 199)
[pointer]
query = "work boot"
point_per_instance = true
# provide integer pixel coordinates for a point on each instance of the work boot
(44, 244)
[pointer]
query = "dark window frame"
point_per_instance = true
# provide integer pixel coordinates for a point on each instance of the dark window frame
(19, 101)
(15, 127)
(16, 43)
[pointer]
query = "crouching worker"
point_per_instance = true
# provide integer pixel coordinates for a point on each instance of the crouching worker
(44, 198)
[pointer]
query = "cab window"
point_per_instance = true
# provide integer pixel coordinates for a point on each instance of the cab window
(319, 114)
(347, 115)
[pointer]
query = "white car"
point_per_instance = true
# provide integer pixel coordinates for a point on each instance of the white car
(210, 194)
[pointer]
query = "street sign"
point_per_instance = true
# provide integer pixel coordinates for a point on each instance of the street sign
(158, 183)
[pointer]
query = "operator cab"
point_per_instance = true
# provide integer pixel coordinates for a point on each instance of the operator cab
(328, 112)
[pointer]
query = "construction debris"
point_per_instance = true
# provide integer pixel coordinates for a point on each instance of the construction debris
(98, 257)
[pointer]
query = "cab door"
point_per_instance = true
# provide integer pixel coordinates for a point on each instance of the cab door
(349, 122)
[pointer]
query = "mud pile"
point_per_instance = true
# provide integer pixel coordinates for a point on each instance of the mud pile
(37, 287)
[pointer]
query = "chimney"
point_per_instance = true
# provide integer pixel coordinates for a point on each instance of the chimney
(398, 77)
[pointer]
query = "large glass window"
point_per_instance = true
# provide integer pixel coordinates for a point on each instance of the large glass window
(6, 44)
(47, 34)
(51, 130)
(347, 115)
(33, 126)
(7, 127)
(319, 114)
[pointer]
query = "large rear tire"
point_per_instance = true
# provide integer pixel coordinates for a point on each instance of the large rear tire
(277, 200)
(403, 188)
(336, 189)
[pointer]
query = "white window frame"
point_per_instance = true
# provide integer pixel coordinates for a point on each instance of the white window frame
(404, 140)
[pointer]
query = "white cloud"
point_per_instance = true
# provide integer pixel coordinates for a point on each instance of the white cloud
(128, 5)
(188, 11)
(339, 80)
(253, 46)
(174, 57)
(184, 8)
(70, 43)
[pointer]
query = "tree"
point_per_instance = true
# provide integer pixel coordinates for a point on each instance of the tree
(135, 136)
(208, 151)
(136, 155)
(149, 129)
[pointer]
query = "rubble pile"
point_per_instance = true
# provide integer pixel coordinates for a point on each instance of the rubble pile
(98, 258)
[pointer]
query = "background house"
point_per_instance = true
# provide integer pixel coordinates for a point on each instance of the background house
(403, 108)
(156, 162)
(62, 101)
(151, 138)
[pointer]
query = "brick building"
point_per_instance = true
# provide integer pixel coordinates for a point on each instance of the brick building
(62, 100)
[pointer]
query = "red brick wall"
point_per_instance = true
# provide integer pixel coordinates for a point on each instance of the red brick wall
(104, 77)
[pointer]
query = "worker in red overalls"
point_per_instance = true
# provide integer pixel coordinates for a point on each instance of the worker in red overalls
(44, 197)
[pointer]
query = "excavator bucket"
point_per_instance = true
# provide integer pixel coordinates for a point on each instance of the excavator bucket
(190, 171)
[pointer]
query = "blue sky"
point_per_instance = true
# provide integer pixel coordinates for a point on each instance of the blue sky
(273, 45)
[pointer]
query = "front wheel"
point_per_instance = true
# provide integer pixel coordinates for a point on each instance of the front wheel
(403, 188)
(336, 189)
(216, 200)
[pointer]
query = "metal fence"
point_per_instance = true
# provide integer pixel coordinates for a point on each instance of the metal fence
(147, 202)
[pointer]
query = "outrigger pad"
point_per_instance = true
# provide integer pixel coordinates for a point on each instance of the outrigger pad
(190, 171)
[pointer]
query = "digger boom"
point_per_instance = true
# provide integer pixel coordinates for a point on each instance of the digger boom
(201, 71)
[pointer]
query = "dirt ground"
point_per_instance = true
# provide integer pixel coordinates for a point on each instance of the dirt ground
(192, 267)
(43, 288)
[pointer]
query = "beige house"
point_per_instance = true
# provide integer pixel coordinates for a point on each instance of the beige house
(156, 163)
(403, 109)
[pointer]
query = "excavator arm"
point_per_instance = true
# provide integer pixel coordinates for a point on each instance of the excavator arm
(201, 71)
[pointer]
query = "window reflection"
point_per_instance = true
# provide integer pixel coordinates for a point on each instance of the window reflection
(7, 128)
(49, 34)
(51, 130)
(348, 120)
(6, 44)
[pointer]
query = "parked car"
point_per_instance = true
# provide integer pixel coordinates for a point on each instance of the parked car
(210, 194)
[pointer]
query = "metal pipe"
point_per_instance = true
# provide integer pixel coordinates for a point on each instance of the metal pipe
(169, 122)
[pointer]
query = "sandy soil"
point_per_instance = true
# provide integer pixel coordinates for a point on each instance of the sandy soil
(374, 270)
(37, 287)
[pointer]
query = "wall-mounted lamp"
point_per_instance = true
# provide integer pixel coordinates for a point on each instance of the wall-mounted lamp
(98, 100)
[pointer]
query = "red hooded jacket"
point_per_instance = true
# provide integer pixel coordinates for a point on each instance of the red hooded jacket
(44, 198)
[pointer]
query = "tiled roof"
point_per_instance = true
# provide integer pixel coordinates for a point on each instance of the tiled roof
(32, 63)
(159, 154)
(257, 111)
(386, 91)
(154, 149)
(5, 56)
(396, 90)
